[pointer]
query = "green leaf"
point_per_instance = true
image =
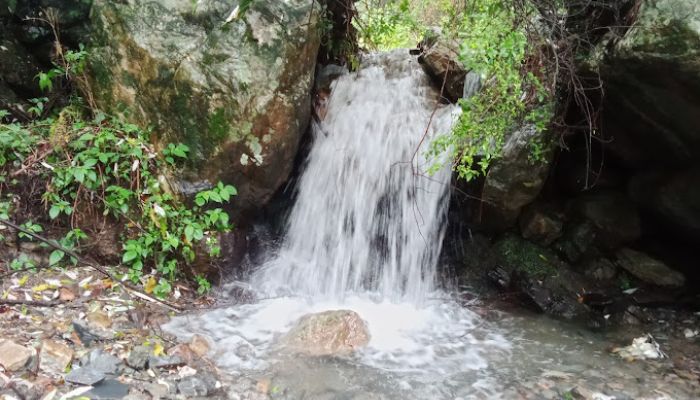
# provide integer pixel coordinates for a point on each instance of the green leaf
(54, 211)
(55, 257)
(129, 256)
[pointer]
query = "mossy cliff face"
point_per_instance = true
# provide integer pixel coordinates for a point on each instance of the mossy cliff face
(234, 87)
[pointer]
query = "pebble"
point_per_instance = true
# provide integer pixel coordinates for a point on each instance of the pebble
(14, 357)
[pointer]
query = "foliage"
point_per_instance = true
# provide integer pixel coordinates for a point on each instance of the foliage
(385, 25)
(104, 168)
(495, 45)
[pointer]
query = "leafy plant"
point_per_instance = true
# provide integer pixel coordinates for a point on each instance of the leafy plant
(109, 168)
(495, 46)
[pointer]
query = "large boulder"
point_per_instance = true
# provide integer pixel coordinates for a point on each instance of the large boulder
(649, 269)
(234, 85)
(653, 85)
(514, 179)
(672, 198)
(440, 60)
(328, 333)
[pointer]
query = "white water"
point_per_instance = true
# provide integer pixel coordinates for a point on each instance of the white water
(364, 234)
(367, 216)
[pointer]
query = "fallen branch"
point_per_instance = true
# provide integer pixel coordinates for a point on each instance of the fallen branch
(98, 268)
(33, 303)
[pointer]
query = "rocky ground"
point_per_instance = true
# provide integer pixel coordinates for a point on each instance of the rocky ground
(96, 341)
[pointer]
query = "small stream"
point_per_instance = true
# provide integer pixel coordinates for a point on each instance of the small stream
(365, 234)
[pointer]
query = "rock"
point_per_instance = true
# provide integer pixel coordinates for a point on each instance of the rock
(541, 225)
(110, 389)
(165, 361)
(601, 269)
(328, 333)
(14, 357)
(138, 357)
(65, 294)
(613, 215)
(55, 356)
(577, 241)
(85, 376)
(157, 390)
(648, 269)
(513, 180)
(440, 60)
(87, 335)
(236, 90)
(197, 385)
(672, 199)
(541, 277)
(98, 320)
(103, 362)
(27, 390)
(17, 66)
(642, 348)
(199, 345)
(653, 85)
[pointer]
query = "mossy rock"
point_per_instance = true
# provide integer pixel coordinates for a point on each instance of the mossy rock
(233, 87)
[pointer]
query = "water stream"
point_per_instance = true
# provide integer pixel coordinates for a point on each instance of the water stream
(365, 234)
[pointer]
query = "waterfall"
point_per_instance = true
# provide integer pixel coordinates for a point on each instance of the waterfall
(368, 217)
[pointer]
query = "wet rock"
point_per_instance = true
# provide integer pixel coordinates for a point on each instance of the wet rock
(328, 333)
(110, 389)
(440, 59)
(103, 362)
(199, 345)
(541, 225)
(55, 356)
(513, 180)
(601, 269)
(613, 215)
(138, 357)
(237, 93)
(14, 357)
(648, 269)
(85, 376)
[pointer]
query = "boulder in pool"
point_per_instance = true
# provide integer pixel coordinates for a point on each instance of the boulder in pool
(328, 333)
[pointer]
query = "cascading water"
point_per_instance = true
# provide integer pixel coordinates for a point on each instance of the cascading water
(367, 216)
(365, 234)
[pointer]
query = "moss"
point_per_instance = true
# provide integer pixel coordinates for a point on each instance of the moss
(219, 126)
(527, 257)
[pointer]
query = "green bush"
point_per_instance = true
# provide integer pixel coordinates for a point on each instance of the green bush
(106, 168)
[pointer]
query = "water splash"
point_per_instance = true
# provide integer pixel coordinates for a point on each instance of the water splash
(367, 217)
